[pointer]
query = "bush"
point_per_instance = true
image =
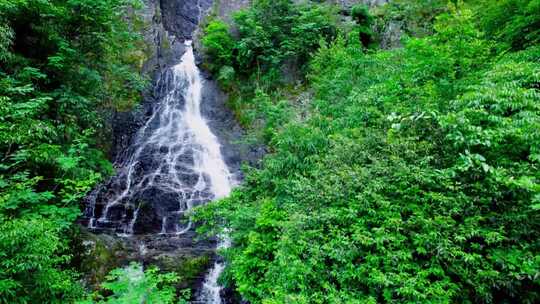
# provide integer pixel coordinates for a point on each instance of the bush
(360, 14)
(514, 22)
(270, 35)
(218, 45)
(364, 20)
(132, 284)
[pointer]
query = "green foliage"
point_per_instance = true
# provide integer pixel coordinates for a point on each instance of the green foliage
(271, 36)
(61, 64)
(360, 14)
(32, 251)
(414, 178)
(362, 17)
(272, 32)
(514, 22)
(218, 45)
(133, 285)
(272, 46)
(416, 18)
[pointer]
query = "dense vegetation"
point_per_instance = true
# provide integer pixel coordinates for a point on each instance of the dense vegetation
(272, 34)
(404, 175)
(63, 66)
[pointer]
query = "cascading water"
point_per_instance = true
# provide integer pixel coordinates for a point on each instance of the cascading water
(174, 164)
(211, 292)
(176, 159)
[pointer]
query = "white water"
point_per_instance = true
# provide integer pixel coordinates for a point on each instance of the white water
(211, 289)
(175, 153)
(210, 293)
(209, 160)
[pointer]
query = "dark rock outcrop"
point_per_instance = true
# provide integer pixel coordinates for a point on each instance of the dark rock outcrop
(182, 17)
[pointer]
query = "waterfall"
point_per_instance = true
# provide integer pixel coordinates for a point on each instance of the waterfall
(174, 164)
(208, 160)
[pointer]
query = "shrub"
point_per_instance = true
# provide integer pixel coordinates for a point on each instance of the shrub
(218, 44)
(514, 22)
(62, 64)
(364, 20)
(132, 284)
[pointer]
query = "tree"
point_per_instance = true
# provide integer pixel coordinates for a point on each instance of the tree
(218, 45)
(364, 20)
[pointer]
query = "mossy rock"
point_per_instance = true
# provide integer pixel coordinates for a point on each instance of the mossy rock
(190, 269)
(96, 255)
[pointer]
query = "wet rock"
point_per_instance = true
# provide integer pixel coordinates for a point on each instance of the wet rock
(148, 220)
(189, 268)
(231, 136)
(96, 255)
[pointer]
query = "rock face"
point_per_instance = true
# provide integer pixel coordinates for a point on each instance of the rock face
(98, 254)
(182, 17)
(391, 34)
(348, 4)
(147, 205)
(228, 7)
